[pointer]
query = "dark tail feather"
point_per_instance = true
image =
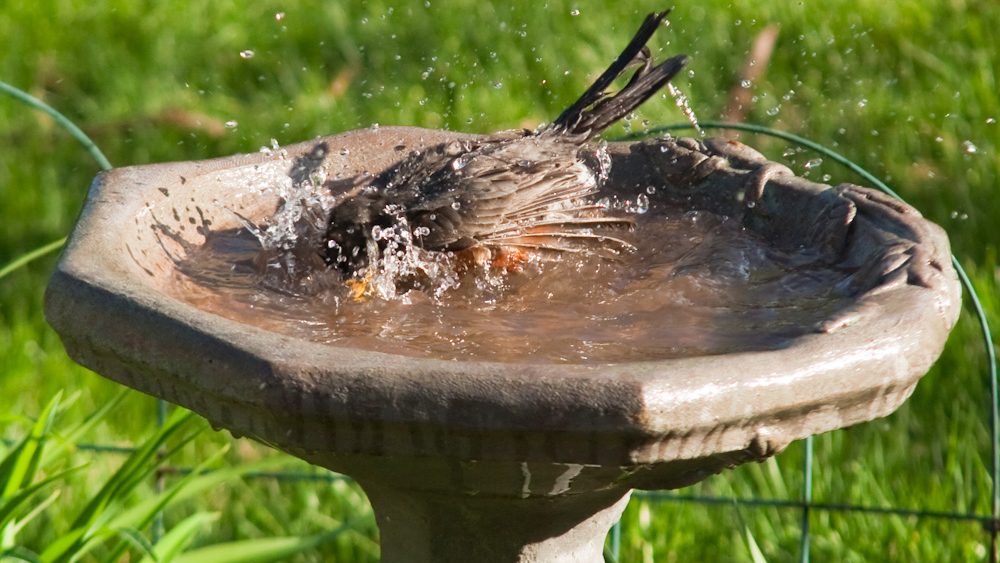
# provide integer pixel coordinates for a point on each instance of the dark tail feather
(595, 110)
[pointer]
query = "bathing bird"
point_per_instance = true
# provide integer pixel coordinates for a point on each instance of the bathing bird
(500, 200)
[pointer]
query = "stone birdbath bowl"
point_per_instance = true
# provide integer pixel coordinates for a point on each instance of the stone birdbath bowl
(522, 459)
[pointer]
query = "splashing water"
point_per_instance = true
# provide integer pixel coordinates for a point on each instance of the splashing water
(293, 240)
(393, 272)
(682, 103)
(287, 259)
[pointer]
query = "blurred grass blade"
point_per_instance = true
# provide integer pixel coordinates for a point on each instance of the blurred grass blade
(61, 548)
(19, 554)
(179, 537)
(141, 515)
(191, 485)
(112, 520)
(132, 536)
(11, 532)
(139, 466)
(64, 441)
(9, 506)
(18, 467)
(134, 469)
(259, 550)
(756, 555)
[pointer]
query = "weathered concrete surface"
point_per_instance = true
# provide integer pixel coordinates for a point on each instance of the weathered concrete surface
(422, 434)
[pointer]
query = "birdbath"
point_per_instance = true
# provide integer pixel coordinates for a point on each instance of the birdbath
(520, 458)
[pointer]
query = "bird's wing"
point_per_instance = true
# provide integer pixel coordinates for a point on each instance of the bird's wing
(531, 193)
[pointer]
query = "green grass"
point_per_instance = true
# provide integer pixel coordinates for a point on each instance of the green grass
(896, 86)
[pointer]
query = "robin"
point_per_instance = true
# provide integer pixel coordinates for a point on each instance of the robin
(501, 200)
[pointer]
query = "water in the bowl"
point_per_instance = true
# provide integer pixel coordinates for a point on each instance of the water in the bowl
(697, 284)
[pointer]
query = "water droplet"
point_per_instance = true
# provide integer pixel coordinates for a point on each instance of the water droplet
(813, 163)
(862, 102)
(641, 204)
(275, 148)
(232, 124)
(247, 54)
(345, 151)
(498, 85)
(574, 12)
(376, 232)
(745, 83)
(938, 139)
(279, 16)
(650, 190)
(456, 205)
(968, 147)
(990, 120)
(827, 177)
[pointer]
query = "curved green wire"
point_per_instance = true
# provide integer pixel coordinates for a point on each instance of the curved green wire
(31, 256)
(61, 119)
(977, 305)
(74, 132)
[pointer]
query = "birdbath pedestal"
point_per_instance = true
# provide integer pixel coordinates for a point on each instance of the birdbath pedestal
(506, 461)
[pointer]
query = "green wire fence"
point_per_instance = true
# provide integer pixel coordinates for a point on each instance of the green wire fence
(806, 505)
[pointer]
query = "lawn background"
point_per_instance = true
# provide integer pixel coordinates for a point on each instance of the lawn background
(907, 89)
